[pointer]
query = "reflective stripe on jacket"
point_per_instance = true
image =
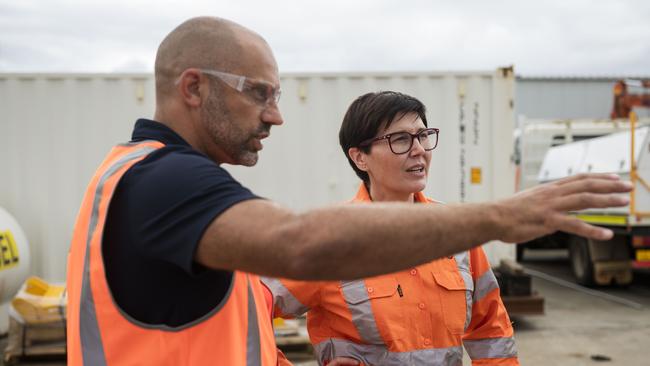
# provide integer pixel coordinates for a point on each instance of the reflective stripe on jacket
(419, 316)
(236, 332)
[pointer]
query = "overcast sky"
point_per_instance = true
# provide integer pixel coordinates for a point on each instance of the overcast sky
(545, 38)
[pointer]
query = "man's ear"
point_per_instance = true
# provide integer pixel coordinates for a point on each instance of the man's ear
(359, 158)
(190, 87)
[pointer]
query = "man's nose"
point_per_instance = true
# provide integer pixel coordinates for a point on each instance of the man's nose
(272, 115)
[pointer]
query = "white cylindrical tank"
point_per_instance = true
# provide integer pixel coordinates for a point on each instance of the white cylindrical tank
(14, 263)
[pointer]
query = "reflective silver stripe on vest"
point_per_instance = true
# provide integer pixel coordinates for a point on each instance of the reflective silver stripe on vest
(356, 296)
(379, 355)
(253, 344)
(283, 298)
(91, 342)
(484, 285)
(462, 262)
(491, 348)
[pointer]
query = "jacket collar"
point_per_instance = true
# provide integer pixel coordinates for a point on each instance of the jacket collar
(364, 196)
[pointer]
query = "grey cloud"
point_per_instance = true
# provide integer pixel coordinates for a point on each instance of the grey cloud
(554, 37)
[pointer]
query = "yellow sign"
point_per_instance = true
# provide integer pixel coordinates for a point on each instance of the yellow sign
(475, 175)
(643, 255)
(8, 250)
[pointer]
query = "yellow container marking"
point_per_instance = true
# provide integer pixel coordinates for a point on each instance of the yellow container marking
(8, 251)
(475, 174)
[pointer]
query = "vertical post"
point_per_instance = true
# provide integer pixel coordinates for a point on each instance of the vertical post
(633, 179)
(503, 119)
(502, 148)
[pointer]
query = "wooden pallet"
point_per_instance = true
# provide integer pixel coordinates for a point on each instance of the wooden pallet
(35, 341)
(524, 305)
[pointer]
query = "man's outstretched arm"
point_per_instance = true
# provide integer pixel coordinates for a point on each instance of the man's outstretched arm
(353, 241)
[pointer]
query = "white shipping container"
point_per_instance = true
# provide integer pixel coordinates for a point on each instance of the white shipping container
(56, 129)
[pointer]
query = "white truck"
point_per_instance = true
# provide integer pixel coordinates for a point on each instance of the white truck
(624, 153)
(535, 137)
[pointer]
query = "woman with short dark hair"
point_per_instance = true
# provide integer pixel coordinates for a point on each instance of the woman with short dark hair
(420, 316)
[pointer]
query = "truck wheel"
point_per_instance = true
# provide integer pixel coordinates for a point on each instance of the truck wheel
(581, 262)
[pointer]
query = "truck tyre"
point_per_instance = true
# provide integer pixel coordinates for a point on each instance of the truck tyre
(581, 261)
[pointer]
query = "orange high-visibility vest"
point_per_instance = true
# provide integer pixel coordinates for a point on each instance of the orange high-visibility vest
(421, 316)
(237, 332)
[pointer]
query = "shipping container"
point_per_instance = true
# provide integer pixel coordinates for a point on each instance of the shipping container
(570, 97)
(56, 129)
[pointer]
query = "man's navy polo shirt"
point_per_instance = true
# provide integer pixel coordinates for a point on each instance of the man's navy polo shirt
(157, 215)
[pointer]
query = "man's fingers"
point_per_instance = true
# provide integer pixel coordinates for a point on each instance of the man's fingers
(595, 185)
(549, 203)
(581, 201)
(584, 176)
(576, 226)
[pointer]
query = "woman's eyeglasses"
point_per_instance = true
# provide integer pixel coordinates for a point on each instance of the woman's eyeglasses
(402, 142)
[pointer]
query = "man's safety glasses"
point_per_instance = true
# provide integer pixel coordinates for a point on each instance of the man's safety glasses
(260, 91)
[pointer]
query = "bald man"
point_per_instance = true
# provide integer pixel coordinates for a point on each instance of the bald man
(167, 246)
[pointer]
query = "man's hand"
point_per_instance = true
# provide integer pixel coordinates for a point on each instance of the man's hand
(543, 209)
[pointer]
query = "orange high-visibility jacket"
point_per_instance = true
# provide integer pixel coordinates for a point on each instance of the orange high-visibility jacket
(237, 332)
(420, 316)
